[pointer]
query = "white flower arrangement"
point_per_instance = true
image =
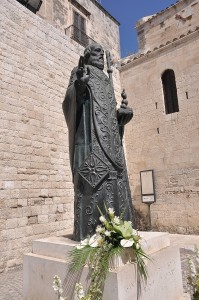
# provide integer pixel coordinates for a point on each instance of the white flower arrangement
(109, 240)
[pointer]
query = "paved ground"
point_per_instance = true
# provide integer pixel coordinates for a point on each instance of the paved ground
(11, 282)
(186, 243)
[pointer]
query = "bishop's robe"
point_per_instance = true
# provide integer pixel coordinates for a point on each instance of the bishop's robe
(96, 153)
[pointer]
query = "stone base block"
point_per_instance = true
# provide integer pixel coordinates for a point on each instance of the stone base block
(48, 259)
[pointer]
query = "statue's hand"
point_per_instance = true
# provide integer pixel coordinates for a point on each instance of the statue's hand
(83, 75)
(124, 115)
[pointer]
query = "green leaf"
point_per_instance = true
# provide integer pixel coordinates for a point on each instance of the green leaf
(100, 211)
(79, 257)
(124, 229)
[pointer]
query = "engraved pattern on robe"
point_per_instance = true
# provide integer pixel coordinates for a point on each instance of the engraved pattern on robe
(93, 128)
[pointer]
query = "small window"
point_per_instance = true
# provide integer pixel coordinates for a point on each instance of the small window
(79, 29)
(170, 92)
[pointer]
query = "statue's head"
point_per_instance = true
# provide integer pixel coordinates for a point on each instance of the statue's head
(94, 55)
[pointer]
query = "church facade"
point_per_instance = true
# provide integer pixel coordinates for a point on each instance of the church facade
(161, 82)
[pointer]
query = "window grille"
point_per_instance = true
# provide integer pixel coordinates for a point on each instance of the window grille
(79, 29)
(170, 92)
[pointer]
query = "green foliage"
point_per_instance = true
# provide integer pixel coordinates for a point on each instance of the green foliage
(78, 258)
(193, 278)
(124, 229)
(196, 295)
(141, 265)
(98, 272)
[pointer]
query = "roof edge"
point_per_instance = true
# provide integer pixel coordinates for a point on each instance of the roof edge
(105, 11)
(150, 18)
(136, 58)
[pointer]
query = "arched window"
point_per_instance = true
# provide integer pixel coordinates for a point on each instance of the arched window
(170, 92)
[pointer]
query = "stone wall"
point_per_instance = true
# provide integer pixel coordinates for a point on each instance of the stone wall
(100, 24)
(36, 190)
(168, 144)
(167, 25)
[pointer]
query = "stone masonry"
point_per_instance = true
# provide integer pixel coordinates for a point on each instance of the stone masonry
(166, 143)
(36, 190)
(167, 25)
(37, 55)
(99, 23)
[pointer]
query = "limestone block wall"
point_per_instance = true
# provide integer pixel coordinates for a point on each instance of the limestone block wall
(100, 25)
(36, 190)
(104, 29)
(167, 25)
(168, 144)
(55, 12)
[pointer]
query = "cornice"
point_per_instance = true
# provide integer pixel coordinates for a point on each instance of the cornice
(105, 11)
(125, 63)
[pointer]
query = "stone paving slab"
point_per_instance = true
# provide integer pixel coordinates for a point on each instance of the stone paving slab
(185, 297)
(186, 243)
(11, 282)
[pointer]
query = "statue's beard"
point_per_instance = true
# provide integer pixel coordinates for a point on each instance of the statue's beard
(98, 63)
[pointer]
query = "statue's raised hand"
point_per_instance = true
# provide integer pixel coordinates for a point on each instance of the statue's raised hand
(83, 73)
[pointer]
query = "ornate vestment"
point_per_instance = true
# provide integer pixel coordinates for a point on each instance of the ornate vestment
(96, 153)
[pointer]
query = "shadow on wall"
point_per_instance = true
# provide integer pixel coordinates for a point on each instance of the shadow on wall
(141, 221)
(141, 217)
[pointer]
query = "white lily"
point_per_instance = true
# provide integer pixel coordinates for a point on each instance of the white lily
(95, 240)
(111, 211)
(82, 244)
(137, 246)
(99, 229)
(107, 233)
(102, 219)
(134, 232)
(116, 220)
(80, 247)
(126, 243)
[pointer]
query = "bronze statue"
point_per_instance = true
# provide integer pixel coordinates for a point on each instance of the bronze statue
(95, 143)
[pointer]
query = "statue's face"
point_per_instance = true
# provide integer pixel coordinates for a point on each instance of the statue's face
(96, 57)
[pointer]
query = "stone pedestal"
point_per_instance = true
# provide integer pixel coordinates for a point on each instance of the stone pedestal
(48, 258)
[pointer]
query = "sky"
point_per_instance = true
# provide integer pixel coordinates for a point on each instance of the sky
(128, 12)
